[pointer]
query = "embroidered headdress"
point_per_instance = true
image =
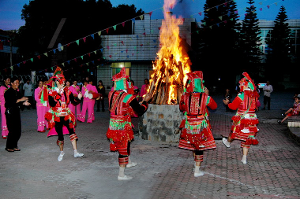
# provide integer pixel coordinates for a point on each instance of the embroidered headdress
(246, 83)
(57, 75)
(195, 82)
(121, 81)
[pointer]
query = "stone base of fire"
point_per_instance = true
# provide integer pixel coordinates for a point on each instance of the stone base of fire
(161, 123)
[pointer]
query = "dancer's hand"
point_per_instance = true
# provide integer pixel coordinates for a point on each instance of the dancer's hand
(22, 99)
(206, 91)
(226, 101)
(147, 97)
(26, 103)
(79, 95)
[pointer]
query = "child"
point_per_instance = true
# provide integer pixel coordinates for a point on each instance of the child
(292, 111)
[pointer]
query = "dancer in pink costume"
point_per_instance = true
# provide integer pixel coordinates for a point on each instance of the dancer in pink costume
(3, 89)
(88, 102)
(73, 107)
(41, 108)
(95, 91)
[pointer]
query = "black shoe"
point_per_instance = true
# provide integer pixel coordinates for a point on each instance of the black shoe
(97, 110)
(103, 110)
(9, 150)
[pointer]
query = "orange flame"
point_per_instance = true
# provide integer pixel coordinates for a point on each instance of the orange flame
(172, 62)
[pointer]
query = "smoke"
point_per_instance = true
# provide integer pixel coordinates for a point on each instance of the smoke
(183, 9)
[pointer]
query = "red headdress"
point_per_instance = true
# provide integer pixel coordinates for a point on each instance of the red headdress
(247, 83)
(195, 82)
(57, 75)
(122, 81)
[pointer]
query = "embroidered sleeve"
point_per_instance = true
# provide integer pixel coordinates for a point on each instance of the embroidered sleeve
(211, 103)
(235, 103)
(139, 109)
(182, 105)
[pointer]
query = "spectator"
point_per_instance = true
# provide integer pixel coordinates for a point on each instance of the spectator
(145, 87)
(136, 90)
(13, 102)
(228, 96)
(101, 90)
(292, 111)
(268, 89)
(28, 91)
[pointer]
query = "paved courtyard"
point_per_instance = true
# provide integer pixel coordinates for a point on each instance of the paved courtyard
(163, 170)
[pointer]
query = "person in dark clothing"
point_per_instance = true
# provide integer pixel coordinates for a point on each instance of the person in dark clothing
(101, 90)
(13, 102)
(228, 96)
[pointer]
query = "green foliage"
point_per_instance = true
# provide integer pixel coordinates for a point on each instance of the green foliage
(279, 40)
(218, 40)
(250, 38)
(83, 18)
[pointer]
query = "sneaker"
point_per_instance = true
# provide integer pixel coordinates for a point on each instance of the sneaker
(226, 143)
(125, 177)
(132, 164)
(78, 155)
(4, 137)
(244, 161)
(60, 157)
(201, 173)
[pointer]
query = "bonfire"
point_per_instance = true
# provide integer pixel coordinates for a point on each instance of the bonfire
(172, 62)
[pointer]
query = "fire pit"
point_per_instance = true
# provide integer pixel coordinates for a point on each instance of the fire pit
(162, 119)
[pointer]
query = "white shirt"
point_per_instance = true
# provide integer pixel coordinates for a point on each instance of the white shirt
(268, 89)
(28, 91)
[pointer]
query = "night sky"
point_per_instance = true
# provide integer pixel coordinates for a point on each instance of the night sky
(10, 10)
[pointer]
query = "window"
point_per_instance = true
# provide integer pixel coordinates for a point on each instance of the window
(117, 66)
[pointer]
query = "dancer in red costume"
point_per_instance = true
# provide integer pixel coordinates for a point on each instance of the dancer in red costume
(244, 122)
(59, 115)
(196, 133)
(120, 133)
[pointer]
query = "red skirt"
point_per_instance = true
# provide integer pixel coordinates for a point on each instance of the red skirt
(194, 137)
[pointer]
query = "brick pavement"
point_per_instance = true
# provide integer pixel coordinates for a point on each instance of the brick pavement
(163, 170)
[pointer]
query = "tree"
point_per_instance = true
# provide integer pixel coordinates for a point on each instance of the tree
(218, 39)
(279, 40)
(83, 18)
(250, 36)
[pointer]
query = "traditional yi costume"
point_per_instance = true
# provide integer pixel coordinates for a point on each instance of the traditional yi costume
(196, 132)
(244, 126)
(60, 118)
(120, 133)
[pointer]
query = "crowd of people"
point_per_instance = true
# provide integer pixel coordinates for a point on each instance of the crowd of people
(80, 102)
(60, 103)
